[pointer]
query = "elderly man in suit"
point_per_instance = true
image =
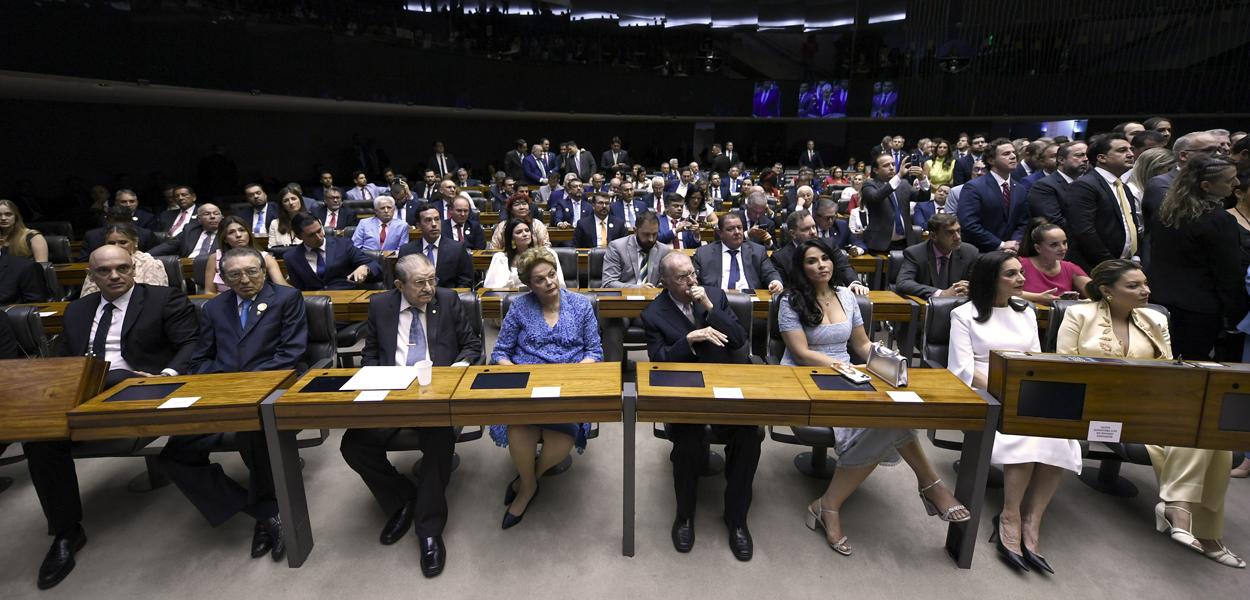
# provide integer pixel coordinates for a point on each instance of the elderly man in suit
(198, 238)
(382, 231)
(810, 157)
(755, 220)
(633, 261)
(1101, 215)
(142, 331)
(534, 170)
(1046, 198)
(734, 262)
(834, 230)
(462, 226)
(256, 326)
(415, 321)
(802, 227)
(174, 220)
(688, 322)
(939, 266)
(600, 226)
(992, 208)
(140, 218)
(887, 197)
(453, 266)
(568, 209)
(325, 263)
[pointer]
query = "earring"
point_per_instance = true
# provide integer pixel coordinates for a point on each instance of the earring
(1108, 297)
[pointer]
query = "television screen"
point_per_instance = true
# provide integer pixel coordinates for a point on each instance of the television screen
(884, 99)
(766, 99)
(823, 99)
(1074, 128)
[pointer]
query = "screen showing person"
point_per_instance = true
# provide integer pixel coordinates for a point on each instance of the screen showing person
(823, 99)
(884, 99)
(766, 100)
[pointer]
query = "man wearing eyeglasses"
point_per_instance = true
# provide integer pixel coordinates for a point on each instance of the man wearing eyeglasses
(142, 331)
(414, 322)
(256, 326)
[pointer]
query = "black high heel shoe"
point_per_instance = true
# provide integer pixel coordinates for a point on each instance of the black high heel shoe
(1037, 560)
(510, 520)
(1009, 557)
(510, 493)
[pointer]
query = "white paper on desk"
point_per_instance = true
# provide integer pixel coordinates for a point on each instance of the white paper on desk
(635, 297)
(47, 313)
(1014, 355)
(371, 396)
(179, 402)
(727, 393)
(905, 396)
(1104, 431)
(756, 299)
(380, 378)
(545, 392)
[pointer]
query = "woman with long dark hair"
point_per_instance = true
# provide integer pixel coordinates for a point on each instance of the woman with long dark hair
(291, 201)
(502, 272)
(518, 206)
(997, 319)
(822, 326)
(941, 168)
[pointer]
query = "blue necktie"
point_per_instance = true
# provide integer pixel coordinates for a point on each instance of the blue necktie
(321, 263)
(734, 273)
(429, 252)
(244, 312)
(416, 338)
(898, 215)
(260, 218)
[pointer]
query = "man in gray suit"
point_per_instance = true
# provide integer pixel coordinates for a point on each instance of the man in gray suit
(633, 261)
(888, 196)
(938, 267)
(734, 262)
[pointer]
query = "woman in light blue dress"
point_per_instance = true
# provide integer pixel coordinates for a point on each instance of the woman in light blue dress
(818, 321)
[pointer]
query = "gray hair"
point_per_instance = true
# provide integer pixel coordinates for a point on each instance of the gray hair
(536, 148)
(655, 180)
(757, 197)
(1188, 140)
(665, 263)
(382, 199)
(1218, 132)
(406, 268)
(124, 191)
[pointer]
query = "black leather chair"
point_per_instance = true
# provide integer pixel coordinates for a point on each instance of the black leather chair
(173, 270)
(28, 330)
(816, 462)
(568, 265)
(1106, 478)
(58, 249)
(237, 209)
(594, 277)
(61, 228)
(52, 285)
(199, 269)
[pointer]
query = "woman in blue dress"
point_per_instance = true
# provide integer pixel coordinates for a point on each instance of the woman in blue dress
(547, 325)
(817, 321)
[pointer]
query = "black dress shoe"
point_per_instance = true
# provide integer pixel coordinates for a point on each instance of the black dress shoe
(683, 534)
(398, 525)
(740, 541)
(1009, 557)
(261, 542)
(60, 558)
(273, 532)
(433, 556)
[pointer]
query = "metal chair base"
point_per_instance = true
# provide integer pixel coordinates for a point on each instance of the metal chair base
(1106, 479)
(560, 468)
(816, 465)
(715, 464)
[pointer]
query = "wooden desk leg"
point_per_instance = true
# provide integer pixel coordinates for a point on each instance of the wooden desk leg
(288, 482)
(961, 538)
(629, 418)
(908, 342)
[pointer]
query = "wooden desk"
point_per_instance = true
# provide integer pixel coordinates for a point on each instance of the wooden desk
(51, 315)
(771, 395)
(70, 274)
(588, 392)
(948, 403)
(1226, 408)
(228, 402)
(285, 413)
(33, 405)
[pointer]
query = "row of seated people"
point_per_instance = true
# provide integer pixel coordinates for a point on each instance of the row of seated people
(819, 322)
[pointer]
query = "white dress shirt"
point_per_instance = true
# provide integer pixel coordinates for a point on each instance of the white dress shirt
(1111, 180)
(724, 269)
(310, 255)
(205, 236)
(187, 216)
(405, 325)
(113, 340)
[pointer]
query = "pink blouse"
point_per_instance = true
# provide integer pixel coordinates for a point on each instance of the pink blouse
(1037, 282)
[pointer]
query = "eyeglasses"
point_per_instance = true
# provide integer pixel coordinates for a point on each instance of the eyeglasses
(691, 275)
(430, 282)
(120, 270)
(249, 273)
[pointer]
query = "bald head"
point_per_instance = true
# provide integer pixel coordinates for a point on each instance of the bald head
(113, 271)
(107, 252)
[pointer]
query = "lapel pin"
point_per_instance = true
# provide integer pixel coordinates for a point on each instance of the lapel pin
(260, 308)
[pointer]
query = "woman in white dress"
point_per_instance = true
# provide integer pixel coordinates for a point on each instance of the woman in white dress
(502, 271)
(997, 319)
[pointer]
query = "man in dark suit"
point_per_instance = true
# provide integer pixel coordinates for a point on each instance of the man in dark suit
(21, 280)
(963, 166)
(580, 162)
(886, 197)
(443, 164)
(534, 171)
(834, 230)
(718, 161)
(173, 221)
(1101, 217)
(691, 323)
(197, 238)
(1046, 163)
(767, 100)
(1185, 147)
(1046, 196)
(923, 211)
(760, 227)
(802, 227)
(140, 218)
(499, 194)
(117, 215)
(321, 263)
(512, 160)
(600, 226)
(939, 266)
(333, 214)
(454, 266)
(325, 179)
(655, 196)
(416, 321)
(627, 207)
(142, 331)
(427, 188)
(614, 158)
(992, 209)
(462, 226)
(735, 263)
(676, 230)
(810, 157)
(256, 326)
(260, 210)
(570, 207)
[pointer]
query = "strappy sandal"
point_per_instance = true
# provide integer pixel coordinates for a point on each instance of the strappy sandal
(932, 508)
(1225, 557)
(1178, 535)
(816, 522)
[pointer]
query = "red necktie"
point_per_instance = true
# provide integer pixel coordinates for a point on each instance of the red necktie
(382, 238)
(676, 234)
(460, 232)
(182, 216)
(1007, 197)
(334, 219)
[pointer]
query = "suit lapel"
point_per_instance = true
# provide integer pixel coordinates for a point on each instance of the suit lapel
(255, 314)
(134, 308)
(716, 265)
(388, 325)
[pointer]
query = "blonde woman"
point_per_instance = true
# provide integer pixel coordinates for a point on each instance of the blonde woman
(16, 238)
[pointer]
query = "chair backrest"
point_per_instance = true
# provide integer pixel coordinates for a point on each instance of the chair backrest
(742, 305)
(322, 342)
(63, 228)
(237, 208)
(28, 330)
(199, 268)
(173, 270)
(58, 248)
(937, 330)
(1060, 308)
(506, 303)
(349, 231)
(844, 206)
(388, 270)
(158, 237)
(595, 266)
(472, 307)
(52, 285)
(568, 264)
(896, 261)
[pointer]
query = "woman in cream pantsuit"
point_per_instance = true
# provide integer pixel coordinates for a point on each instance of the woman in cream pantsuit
(1192, 481)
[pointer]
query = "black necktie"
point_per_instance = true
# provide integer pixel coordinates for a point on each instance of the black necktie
(102, 331)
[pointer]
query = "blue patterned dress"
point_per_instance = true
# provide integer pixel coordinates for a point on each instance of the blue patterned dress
(525, 339)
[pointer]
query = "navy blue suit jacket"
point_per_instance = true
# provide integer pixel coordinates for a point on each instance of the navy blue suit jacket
(275, 338)
(689, 237)
(667, 327)
(981, 216)
(531, 171)
(618, 207)
(1027, 183)
(839, 236)
(562, 208)
(455, 266)
(921, 213)
(474, 238)
(249, 216)
(584, 234)
(341, 259)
